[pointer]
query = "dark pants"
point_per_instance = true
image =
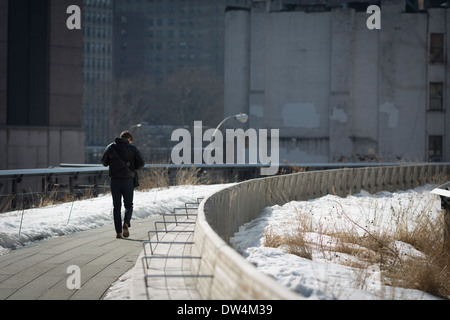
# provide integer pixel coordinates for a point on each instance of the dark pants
(122, 188)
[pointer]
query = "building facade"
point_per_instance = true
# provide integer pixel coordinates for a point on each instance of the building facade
(159, 38)
(97, 74)
(337, 90)
(40, 85)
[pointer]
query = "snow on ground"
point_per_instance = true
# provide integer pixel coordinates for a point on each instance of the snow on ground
(19, 228)
(320, 278)
(327, 275)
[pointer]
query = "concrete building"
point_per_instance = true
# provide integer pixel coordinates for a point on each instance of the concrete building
(337, 90)
(40, 85)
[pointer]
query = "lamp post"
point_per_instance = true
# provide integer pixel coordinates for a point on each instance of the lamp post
(241, 117)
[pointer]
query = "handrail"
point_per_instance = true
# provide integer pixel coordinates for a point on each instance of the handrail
(221, 215)
(13, 180)
(47, 171)
(68, 168)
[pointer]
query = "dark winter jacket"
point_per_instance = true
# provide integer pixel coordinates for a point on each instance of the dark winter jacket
(123, 159)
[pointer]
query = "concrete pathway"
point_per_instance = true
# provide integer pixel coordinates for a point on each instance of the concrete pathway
(40, 271)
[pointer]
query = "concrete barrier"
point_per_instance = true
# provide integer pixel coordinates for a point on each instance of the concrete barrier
(221, 214)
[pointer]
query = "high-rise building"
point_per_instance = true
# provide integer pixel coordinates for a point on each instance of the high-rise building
(97, 74)
(158, 38)
(40, 85)
(151, 39)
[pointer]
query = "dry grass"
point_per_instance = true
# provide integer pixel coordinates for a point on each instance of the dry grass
(272, 240)
(6, 204)
(157, 178)
(428, 272)
(148, 179)
(432, 272)
(38, 199)
(160, 178)
(298, 246)
(293, 244)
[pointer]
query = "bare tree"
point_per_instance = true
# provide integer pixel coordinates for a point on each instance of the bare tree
(182, 98)
(195, 95)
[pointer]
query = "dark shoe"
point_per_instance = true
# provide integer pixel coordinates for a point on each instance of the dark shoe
(119, 236)
(126, 232)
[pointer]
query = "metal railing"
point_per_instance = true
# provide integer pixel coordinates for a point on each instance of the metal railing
(25, 187)
(22, 188)
(221, 214)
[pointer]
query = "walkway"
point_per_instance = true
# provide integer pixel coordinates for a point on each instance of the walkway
(39, 271)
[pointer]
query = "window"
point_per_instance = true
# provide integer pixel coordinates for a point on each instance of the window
(436, 96)
(435, 148)
(436, 47)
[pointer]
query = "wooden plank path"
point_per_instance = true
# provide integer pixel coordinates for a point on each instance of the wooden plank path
(40, 271)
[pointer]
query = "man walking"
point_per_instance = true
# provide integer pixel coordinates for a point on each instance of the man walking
(123, 159)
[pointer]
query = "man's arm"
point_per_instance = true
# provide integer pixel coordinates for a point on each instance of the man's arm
(105, 158)
(138, 160)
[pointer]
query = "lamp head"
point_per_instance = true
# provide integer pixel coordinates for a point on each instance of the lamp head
(242, 117)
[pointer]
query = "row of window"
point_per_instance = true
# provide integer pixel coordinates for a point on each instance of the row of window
(98, 17)
(97, 63)
(94, 77)
(229, 2)
(191, 21)
(150, 1)
(97, 47)
(170, 57)
(173, 10)
(159, 45)
(98, 32)
(172, 45)
(98, 3)
(171, 34)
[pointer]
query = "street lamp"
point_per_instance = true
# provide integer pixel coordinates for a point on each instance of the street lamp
(241, 117)
(139, 125)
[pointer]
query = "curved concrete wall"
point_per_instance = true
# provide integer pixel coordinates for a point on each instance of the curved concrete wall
(221, 214)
